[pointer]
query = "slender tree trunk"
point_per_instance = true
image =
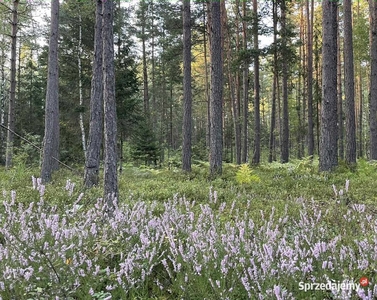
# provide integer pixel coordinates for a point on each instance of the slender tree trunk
(349, 85)
(245, 86)
(154, 103)
(216, 90)
(310, 19)
(187, 95)
(110, 120)
(2, 101)
(12, 98)
(51, 137)
(257, 126)
(340, 96)
(96, 106)
(317, 92)
(145, 70)
(233, 90)
(81, 120)
(328, 158)
(373, 81)
(285, 134)
(274, 85)
(361, 148)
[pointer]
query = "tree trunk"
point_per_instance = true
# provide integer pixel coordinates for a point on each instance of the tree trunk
(81, 117)
(216, 97)
(340, 96)
(12, 99)
(361, 148)
(51, 137)
(285, 132)
(310, 19)
(145, 70)
(110, 120)
(96, 106)
(274, 86)
(328, 158)
(187, 95)
(233, 89)
(349, 85)
(257, 126)
(245, 86)
(373, 81)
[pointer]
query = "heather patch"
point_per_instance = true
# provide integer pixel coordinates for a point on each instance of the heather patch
(183, 249)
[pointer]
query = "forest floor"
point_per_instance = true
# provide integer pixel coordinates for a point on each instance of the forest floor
(268, 232)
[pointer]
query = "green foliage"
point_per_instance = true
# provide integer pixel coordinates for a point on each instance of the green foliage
(144, 145)
(245, 175)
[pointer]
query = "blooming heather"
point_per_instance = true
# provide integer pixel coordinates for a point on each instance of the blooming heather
(181, 250)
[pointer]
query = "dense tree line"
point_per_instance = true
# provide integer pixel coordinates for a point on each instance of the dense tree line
(168, 82)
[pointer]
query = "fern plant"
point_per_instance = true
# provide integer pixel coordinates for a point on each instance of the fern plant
(245, 175)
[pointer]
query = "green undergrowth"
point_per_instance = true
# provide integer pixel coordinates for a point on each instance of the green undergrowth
(258, 188)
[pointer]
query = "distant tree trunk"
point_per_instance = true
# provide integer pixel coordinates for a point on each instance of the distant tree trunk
(361, 150)
(187, 96)
(285, 133)
(110, 119)
(317, 90)
(237, 102)
(2, 102)
(12, 99)
(96, 106)
(310, 19)
(373, 81)
(145, 70)
(349, 85)
(51, 137)
(257, 126)
(274, 86)
(153, 112)
(328, 158)
(81, 118)
(245, 86)
(340, 96)
(233, 89)
(216, 99)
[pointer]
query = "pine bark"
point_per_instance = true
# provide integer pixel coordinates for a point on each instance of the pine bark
(271, 145)
(349, 85)
(81, 100)
(92, 165)
(110, 120)
(328, 158)
(257, 125)
(340, 97)
(284, 157)
(310, 25)
(216, 96)
(145, 70)
(245, 86)
(51, 137)
(187, 94)
(373, 81)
